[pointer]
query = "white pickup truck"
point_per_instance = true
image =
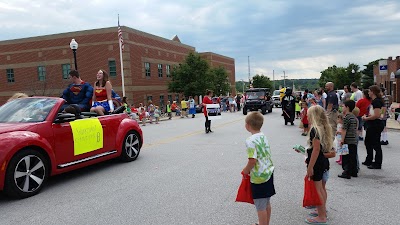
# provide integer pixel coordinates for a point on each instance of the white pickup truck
(276, 98)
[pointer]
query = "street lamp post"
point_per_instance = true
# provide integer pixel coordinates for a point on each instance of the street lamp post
(74, 46)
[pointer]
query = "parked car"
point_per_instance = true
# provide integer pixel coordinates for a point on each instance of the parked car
(276, 98)
(258, 99)
(38, 141)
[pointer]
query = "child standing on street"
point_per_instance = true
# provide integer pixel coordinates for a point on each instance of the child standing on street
(259, 167)
(297, 107)
(157, 114)
(321, 141)
(339, 132)
(150, 110)
(169, 111)
(304, 118)
(143, 116)
(349, 137)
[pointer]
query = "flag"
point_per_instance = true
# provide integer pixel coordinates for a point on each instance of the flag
(121, 40)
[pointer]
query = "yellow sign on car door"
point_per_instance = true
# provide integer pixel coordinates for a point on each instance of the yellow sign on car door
(87, 134)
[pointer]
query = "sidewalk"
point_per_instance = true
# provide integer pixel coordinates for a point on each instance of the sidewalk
(167, 118)
(391, 122)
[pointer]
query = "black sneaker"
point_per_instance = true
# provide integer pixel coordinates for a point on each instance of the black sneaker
(384, 143)
(366, 163)
(343, 175)
(374, 167)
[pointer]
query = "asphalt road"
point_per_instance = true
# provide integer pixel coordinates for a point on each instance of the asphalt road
(184, 176)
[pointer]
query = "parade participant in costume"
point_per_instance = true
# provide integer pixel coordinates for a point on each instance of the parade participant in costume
(101, 100)
(79, 92)
(288, 106)
(207, 100)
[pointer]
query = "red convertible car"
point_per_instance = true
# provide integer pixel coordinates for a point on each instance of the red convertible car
(39, 140)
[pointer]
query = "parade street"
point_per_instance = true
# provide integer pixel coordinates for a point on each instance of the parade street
(184, 176)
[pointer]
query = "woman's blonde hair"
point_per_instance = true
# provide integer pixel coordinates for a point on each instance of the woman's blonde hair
(319, 121)
(17, 95)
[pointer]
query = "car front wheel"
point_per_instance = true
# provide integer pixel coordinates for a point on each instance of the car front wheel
(26, 174)
(131, 147)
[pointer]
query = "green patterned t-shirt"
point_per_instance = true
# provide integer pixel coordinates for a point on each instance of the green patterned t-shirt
(258, 148)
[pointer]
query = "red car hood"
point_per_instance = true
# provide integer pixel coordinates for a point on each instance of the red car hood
(9, 127)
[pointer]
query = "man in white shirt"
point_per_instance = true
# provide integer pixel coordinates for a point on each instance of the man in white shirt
(357, 94)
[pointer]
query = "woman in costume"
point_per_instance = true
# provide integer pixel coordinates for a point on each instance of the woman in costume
(101, 101)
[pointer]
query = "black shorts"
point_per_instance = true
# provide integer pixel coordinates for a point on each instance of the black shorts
(319, 169)
(305, 125)
(264, 190)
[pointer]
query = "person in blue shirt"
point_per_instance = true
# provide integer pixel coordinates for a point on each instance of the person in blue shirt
(79, 92)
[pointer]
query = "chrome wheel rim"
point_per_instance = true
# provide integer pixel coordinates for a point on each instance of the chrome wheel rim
(29, 173)
(132, 145)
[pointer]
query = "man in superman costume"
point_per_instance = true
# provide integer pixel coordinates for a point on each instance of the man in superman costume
(79, 92)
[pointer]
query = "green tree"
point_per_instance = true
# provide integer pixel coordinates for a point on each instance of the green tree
(340, 76)
(241, 85)
(367, 78)
(261, 81)
(219, 78)
(327, 75)
(191, 77)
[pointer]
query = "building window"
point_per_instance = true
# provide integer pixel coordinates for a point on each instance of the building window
(170, 98)
(147, 68)
(177, 98)
(66, 68)
(161, 101)
(112, 68)
(159, 70)
(10, 75)
(168, 70)
(42, 73)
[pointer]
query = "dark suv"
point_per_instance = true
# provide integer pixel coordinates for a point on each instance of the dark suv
(256, 99)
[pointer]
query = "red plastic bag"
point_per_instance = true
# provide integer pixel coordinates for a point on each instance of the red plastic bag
(244, 192)
(311, 197)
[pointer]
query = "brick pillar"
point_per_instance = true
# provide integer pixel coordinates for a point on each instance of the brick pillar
(397, 91)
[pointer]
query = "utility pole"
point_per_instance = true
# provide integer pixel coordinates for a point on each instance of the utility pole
(273, 78)
(284, 79)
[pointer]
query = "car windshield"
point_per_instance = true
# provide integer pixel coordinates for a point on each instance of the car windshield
(276, 92)
(255, 95)
(26, 110)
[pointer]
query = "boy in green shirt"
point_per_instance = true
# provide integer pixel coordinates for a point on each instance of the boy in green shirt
(259, 167)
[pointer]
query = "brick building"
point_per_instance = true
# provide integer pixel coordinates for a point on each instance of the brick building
(40, 65)
(389, 81)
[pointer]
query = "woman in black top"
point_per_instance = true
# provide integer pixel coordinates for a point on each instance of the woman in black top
(374, 129)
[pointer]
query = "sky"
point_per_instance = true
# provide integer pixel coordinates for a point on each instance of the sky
(301, 38)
